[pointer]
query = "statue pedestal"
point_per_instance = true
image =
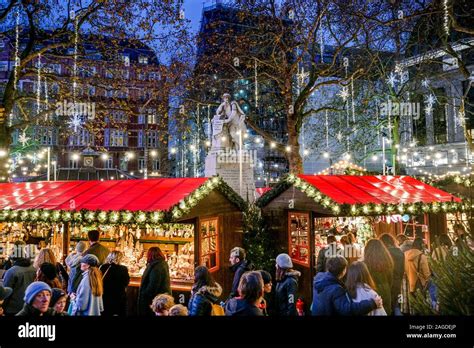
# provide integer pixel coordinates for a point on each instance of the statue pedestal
(227, 166)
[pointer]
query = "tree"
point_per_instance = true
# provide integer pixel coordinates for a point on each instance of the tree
(55, 31)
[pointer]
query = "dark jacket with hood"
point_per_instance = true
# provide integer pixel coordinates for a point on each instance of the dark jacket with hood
(239, 269)
(18, 278)
(201, 301)
(238, 307)
(330, 297)
(286, 294)
(30, 311)
(155, 281)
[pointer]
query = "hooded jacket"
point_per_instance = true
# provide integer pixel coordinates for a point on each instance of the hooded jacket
(18, 278)
(412, 257)
(238, 269)
(330, 297)
(73, 262)
(200, 303)
(286, 294)
(238, 307)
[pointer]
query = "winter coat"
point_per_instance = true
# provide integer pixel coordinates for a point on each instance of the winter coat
(286, 294)
(238, 307)
(98, 250)
(155, 281)
(30, 311)
(398, 258)
(412, 257)
(116, 279)
(332, 249)
(330, 297)
(238, 269)
(86, 303)
(440, 253)
(383, 286)
(18, 278)
(73, 261)
(201, 301)
(365, 292)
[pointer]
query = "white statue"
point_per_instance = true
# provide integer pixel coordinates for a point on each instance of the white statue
(226, 124)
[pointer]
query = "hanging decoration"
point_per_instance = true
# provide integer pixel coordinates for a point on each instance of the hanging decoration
(38, 85)
(17, 47)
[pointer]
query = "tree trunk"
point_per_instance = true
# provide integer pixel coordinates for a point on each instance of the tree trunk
(294, 158)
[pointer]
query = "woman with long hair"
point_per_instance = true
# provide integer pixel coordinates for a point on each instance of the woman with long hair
(204, 294)
(287, 286)
(380, 265)
(360, 285)
(116, 279)
(47, 255)
(88, 299)
(47, 273)
(155, 280)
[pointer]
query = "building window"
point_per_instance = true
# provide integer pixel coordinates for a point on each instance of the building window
(46, 135)
(298, 229)
(156, 165)
(118, 138)
(209, 251)
(141, 76)
(126, 59)
(109, 163)
(3, 66)
(141, 163)
(152, 139)
(73, 163)
(109, 75)
(81, 138)
(141, 119)
(124, 163)
(140, 138)
(119, 116)
(143, 59)
(151, 116)
(154, 76)
(91, 90)
(126, 74)
(109, 93)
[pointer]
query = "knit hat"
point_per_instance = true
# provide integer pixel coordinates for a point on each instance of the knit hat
(33, 289)
(49, 270)
(238, 252)
(91, 260)
(267, 277)
(5, 292)
(284, 261)
(81, 246)
(56, 295)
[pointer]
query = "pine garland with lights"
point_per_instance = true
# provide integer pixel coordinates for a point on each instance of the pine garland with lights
(258, 242)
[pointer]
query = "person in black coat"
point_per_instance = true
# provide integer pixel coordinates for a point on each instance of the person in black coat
(398, 258)
(239, 265)
(331, 249)
(287, 286)
(155, 280)
(115, 278)
(204, 294)
(330, 296)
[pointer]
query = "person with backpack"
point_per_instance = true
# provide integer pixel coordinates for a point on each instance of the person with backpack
(416, 267)
(205, 294)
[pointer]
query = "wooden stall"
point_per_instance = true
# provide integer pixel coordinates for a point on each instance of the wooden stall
(302, 210)
(195, 221)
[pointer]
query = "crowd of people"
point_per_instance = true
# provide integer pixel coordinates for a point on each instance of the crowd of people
(374, 279)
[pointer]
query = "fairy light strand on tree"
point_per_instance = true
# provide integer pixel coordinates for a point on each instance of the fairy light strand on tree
(446, 17)
(256, 83)
(38, 85)
(17, 47)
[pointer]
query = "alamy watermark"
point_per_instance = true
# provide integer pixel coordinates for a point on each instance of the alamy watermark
(400, 109)
(67, 108)
(19, 251)
(37, 331)
(234, 156)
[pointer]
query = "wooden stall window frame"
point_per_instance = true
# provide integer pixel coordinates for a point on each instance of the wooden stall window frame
(412, 225)
(308, 213)
(217, 252)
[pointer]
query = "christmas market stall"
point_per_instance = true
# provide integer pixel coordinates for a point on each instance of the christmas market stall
(195, 221)
(301, 211)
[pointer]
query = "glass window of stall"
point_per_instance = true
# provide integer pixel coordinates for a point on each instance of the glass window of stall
(209, 237)
(298, 237)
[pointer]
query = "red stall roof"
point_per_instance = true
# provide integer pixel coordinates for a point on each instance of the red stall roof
(378, 189)
(262, 190)
(132, 195)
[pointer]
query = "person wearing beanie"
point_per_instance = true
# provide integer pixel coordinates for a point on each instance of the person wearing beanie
(239, 265)
(287, 286)
(58, 301)
(37, 298)
(87, 300)
(47, 273)
(4, 294)
(18, 277)
(73, 263)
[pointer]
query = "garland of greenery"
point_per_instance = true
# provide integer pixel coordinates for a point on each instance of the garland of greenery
(126, 217)
(338, 209)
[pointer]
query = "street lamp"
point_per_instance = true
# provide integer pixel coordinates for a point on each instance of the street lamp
(3, 153)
